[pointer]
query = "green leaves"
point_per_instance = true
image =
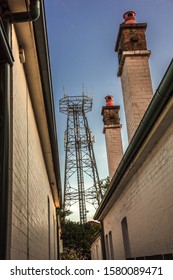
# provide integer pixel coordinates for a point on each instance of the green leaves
(77, 238)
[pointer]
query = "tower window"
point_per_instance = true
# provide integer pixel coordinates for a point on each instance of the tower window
(126, 240)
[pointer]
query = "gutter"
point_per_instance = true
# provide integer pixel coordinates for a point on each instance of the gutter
(31, 15)
(161, 97)
(45, 73)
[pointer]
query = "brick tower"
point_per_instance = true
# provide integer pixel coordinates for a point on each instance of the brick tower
(112, 131)
(134, 70)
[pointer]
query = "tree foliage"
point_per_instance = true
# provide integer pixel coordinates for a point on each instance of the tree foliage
(77, 239)
(104, 183)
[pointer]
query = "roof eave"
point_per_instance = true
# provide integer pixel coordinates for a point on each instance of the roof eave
(41, 40)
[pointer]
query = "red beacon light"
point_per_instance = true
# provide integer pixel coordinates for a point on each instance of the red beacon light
(130, 17)
(109, 100)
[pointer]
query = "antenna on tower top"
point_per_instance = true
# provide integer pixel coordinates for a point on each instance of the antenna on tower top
(63, 87)
(92, 91)
(83, 91)
(86, 90)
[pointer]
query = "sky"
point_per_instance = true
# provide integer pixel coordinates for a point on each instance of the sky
(82, 36)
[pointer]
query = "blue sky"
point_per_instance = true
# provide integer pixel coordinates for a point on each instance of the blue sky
(82, 36)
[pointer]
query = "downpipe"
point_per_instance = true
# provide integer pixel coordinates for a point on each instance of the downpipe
(6, 155)
(103, 241)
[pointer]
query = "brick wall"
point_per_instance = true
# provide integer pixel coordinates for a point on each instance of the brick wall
(112, 130)
(29, 223)
(114, 148)
(147, 204)
(137, 90)
(96, 249)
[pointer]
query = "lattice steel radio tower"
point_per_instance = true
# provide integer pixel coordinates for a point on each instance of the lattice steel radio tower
(79, 156)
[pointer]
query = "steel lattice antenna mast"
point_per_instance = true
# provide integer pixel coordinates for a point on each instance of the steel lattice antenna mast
(79, 156)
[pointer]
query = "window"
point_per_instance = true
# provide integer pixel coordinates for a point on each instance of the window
(48, 217)
(97, 252)
(126, 241)
(54, 237)
(107, 248)
(111, 246)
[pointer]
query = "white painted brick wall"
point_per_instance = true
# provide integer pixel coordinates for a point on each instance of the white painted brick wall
(96, 249)
(30, 185)
(137, 90)
(114, 148)
(147, 202)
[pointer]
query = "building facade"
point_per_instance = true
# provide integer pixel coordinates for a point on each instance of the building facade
(136, 212)
(30, 188)
(96, 250)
